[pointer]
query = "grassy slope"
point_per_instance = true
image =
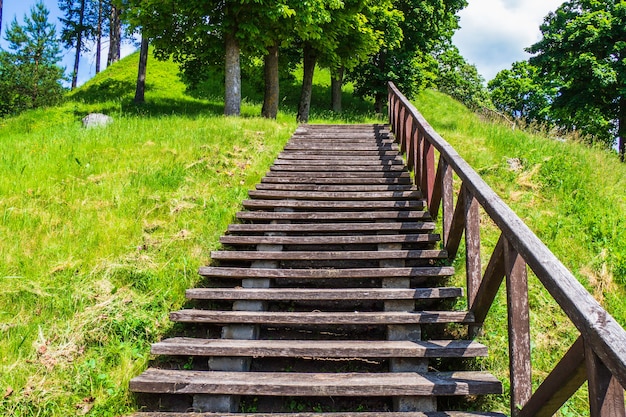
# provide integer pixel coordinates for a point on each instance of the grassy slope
(149, 196)
(571, 196)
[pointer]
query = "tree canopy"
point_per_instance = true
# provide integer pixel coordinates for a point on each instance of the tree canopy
(29, 73)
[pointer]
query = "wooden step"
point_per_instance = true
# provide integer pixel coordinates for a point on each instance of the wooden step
(315, 384)
(335, 205)
(340, 168)
(317, 180)
(337, 196)
(335, 188)
(330, 240)
(352, 273)
(293, 158)
(326, 256)
(345, 153)
(333, 227)
(345, 414)
(340, 175)
(401, 216)
(320, 348)
(339, 149)
(322, 294)
(321, 318)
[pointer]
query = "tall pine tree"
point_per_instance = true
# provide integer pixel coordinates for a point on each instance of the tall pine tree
(29, 73)
(76, 28)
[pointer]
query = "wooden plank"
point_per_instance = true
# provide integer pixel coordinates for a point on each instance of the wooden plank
(339, 175)
(338, 149)
(325, 256)
(606, 395)
(472, 246)
(608, 338)
(344, 414)
(334, 205)
(447, 197)
(352, 273)
(490, 284)
(329, 240)
(344, 153)
(520, 367)
(401, 216)
(563, 382)
(310, 179)
(333, 227)
(457, 226)
(320, 348)
(321, 318)
(338, 196)
(337, 188)
(296, 157)
(314, 384)
(339, 168)
(322, 294)
(435, 202)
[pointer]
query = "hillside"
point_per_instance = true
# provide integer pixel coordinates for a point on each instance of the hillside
(103, 229)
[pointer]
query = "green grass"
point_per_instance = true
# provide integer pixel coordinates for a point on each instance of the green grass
(102, 230)
(573, 197)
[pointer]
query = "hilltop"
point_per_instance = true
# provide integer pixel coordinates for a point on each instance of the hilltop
(105, 228)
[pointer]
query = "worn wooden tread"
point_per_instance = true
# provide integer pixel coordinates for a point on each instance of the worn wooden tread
(403, 216)
(330, 227)
(325, 160)
(321, 318)
(336, 175)
(341, 148)
(329, 240)
(345, 414)
(335, 205)
(359, 180)
(337, 196)
(334, 188)
(322, 294)
(314, 384)
(356, 273)
(340, 168)
(329, 255)
(320, 348)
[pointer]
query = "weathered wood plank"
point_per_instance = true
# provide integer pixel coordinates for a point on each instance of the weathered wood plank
(401, 216)
(320, 318)
(332, 255)
(472, 246)
(310, 179)
(344, 414)
(337, 188)
(304, 159)
(335, 205)
(322, 294)
(337, 196)
(490, 284)
(606, 395)
(329, 240)
(339, 175)
(339, 168)
(352, 273)
(320, 348)
(406, 227)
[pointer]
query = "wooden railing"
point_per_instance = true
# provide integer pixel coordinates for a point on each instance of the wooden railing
(599, 354)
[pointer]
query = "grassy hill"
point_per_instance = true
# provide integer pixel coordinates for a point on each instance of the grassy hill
(103, 229)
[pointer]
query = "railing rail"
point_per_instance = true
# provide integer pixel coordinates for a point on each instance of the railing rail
(598, 356)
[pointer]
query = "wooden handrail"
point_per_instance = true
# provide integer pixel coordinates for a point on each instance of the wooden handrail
(604, 339)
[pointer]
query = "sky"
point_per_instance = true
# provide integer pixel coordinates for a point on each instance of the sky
(493, 33)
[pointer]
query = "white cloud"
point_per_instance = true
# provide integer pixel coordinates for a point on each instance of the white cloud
(494, 33)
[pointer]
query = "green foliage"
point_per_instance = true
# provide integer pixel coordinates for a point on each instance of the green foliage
(459, 79)
(520, 93)
(584, 51)
(29, 74)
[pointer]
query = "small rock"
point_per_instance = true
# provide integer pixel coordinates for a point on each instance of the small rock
(514, 164)
(96, 120)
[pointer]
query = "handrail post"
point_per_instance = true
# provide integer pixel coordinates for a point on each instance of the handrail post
(447, 197)
(428, 169)
(519, 328)
(606, 395)
(472, 246)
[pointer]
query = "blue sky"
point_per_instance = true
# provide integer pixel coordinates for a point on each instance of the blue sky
(493, 33)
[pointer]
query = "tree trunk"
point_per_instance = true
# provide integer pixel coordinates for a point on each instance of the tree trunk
(115, 36)
(79, 43)
(336, 83)
(272, 88)
(307, 85)
(621, 132)
(140, 91)
(379, 97)
(99, 37)
(232, 82)
(0, 18)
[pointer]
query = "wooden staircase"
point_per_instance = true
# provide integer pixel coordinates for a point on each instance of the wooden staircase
(327, 300)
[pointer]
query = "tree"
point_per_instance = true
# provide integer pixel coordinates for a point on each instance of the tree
(75, 29)
(140, 90)
(406, 57)
(115, 33)
(520, 93)
(584, 50)
(0, 17)
(29, 74)
(459, 79)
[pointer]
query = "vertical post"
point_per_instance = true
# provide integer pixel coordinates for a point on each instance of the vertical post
(408, 128)
(428, 170)
(606, 395)
(472, 246)
(447, 196)
(410, 151)
(400, 127)
(519, 328)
